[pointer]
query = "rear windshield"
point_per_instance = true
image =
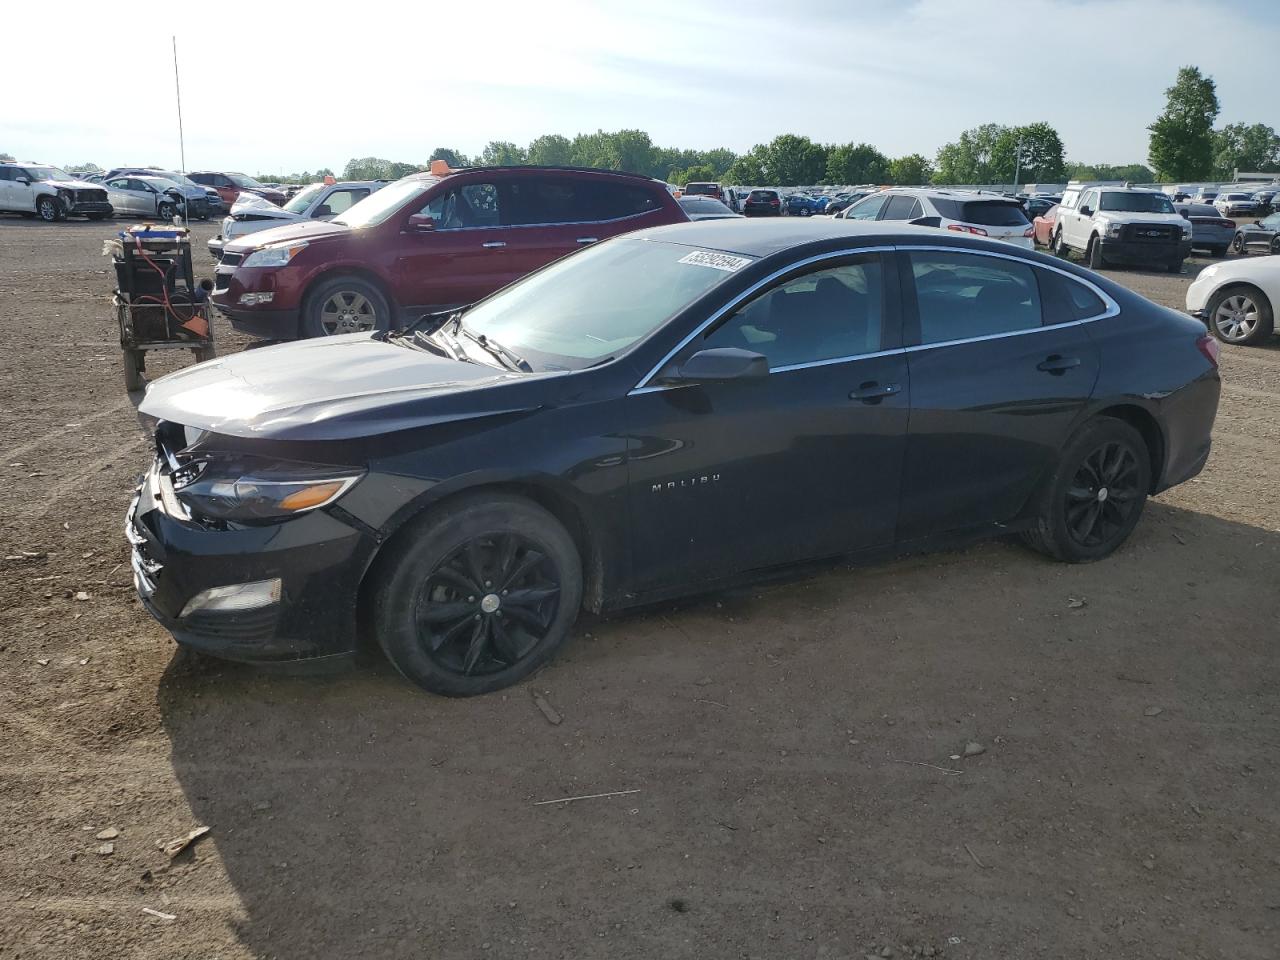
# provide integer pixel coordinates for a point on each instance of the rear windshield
(762, 195)
(1135, 202)
(1237, 196)
(712, 189)
(987, 213)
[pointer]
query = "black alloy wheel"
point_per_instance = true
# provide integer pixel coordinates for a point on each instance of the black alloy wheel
(1094, 498)
(1102, 495)
(476, 594)
(488, 604)
(1237, 243)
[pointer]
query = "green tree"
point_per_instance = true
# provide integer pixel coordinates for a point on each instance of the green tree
(856, 163)
(969, 158)
(1245, 146)
(791, 161)
(375, 168)
(698, 173)
(6, 157)
(551, 150)
(449, 156)
(1132, 172)
(748, 170)
(1042, 155)
(911, 170)
(1181, 145)
(502, 153)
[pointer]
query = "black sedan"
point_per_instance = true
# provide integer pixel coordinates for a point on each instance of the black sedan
(1260, 237)
(658, 414)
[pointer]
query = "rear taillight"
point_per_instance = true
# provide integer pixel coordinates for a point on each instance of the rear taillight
(1227, 223)
(1029, 232)
(1209, 347)
(774, 202)
(964, 228)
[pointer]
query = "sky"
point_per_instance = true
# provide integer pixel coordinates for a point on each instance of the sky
(285, 87)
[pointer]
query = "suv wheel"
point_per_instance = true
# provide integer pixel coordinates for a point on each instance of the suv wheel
(344, 304)
(1055, 244)
(1241, 315)
(477, 595)
(1094, 254)
(49, 209)
(1094, 498)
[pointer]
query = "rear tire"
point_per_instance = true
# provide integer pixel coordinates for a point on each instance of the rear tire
(1056, 247)
(1094, 498)
(445, 609)
(1175, 266)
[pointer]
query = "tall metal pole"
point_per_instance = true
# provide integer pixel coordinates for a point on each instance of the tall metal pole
(1017, 164)
(182, 143)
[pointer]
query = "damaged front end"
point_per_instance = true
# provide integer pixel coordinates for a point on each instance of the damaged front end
(234, 553)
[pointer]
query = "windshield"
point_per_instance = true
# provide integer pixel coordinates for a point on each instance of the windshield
(48, 173)
(589, 307)
(1135, 202)
(380, 205)
(303, 200)
(177, 178)
(240, 180)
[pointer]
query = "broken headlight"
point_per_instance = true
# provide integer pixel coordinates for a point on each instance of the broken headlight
(245, 489)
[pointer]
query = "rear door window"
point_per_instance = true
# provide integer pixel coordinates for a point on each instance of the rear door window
(902, 207)
(613, 201)
(529, 201)
(340, 201)
(960, 296)
(1066, 300)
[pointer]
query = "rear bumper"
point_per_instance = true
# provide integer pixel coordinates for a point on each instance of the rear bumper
(1188, 417)
(1132, 251)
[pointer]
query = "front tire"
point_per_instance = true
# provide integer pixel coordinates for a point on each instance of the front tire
(1175, 266)
(344, 304)
(166, 212)
(477, 594)
(1241, 315)
(1094, 254)
(49, 209)
(1056, 246)
(1237, 244)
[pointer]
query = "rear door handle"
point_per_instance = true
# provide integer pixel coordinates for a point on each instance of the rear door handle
(1057, 365)
(588, 239)
(493, 244)
(872, 392)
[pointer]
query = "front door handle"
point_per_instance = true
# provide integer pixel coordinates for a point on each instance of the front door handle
(873, 392)
(588, 239)
(1057, 365)
(493, 244)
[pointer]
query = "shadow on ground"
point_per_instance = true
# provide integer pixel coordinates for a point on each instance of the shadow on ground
(779, 744)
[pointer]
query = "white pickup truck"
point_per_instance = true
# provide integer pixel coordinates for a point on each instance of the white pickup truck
(1114, 225)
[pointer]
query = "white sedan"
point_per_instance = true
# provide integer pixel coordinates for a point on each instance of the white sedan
(1237, 298)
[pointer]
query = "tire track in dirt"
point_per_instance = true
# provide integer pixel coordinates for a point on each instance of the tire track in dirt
(14, 453)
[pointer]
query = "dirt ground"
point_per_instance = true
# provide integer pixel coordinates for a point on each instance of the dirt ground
(787, 751)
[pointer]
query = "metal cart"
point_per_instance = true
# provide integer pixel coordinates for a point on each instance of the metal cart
(158, 304)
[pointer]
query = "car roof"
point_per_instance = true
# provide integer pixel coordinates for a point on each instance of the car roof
(969, 195)
(531, 168)
(762, 238)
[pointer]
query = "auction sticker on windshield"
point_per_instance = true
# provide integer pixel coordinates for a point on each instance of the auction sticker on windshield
(718, 261)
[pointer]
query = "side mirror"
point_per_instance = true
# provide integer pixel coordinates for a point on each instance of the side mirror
(22, 180)
(1086, 212)
(421, 223)
(322, 212)
(926, 222)
(719, 363)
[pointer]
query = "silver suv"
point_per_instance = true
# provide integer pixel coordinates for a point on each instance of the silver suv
(320, 201)
(39, 190)
(961, 211)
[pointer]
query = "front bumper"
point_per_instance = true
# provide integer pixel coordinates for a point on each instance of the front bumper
(318, 559)
(85, 208)
(1139, 252)
(215, 247)
(268, 322)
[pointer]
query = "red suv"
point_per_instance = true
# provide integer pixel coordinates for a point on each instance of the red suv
(424, 244)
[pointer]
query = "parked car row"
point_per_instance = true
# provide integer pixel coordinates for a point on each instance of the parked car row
(320, 201)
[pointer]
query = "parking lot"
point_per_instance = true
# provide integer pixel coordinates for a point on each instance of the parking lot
(782, 755)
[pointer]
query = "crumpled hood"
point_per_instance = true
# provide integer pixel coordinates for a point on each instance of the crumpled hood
(302, 230)
(75, 184)
(330, 388)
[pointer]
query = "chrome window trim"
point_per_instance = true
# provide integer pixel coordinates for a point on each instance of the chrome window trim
(643, 385)
(1112, 310)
